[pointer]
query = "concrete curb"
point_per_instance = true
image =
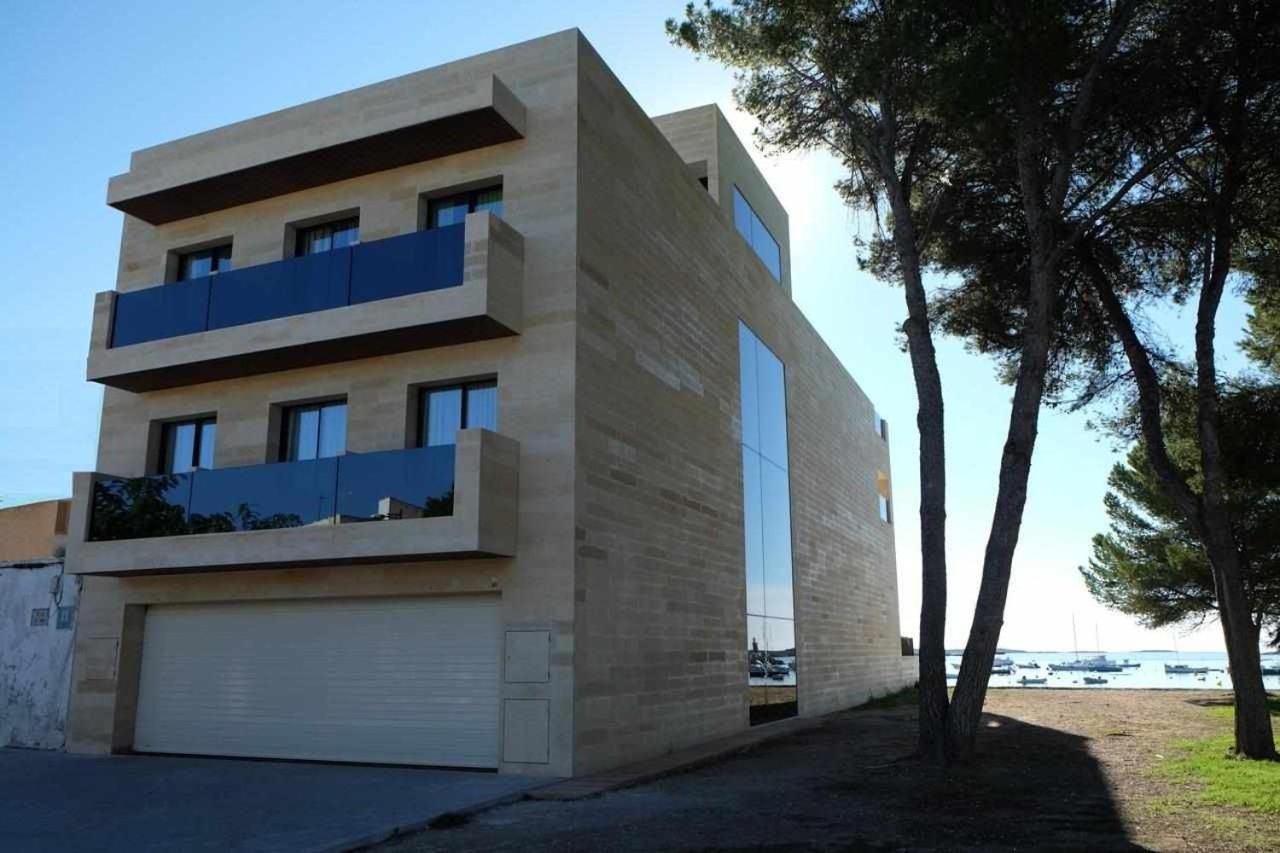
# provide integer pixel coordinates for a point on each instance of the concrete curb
(676, 762)
(584, 787)
(378, 837)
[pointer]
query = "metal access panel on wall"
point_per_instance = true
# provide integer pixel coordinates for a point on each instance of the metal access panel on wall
(377, 680)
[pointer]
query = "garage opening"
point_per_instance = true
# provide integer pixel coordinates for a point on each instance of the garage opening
(370, 680)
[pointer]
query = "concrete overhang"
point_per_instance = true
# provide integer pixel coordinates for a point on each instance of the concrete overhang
(488, 304)
(344, 136)
(483, 524)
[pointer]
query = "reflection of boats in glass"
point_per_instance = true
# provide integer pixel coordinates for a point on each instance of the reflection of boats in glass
(758, 669)
(778, 670)
(1024, 681)
(1093, 679)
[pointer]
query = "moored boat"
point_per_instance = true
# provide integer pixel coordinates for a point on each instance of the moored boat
(1184, 669)
(1097, 663)
(1091, 679)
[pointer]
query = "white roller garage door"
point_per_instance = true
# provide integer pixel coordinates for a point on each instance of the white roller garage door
(381, 680)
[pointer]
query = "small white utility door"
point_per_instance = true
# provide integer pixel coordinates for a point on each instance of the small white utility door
(377, 680)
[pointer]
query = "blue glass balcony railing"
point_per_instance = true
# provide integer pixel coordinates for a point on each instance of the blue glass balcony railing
(412, 263)
(395, 484)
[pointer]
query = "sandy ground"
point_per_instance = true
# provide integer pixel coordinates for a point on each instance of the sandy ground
(1058, 770)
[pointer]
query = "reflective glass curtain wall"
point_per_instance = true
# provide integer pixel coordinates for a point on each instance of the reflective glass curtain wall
(772, 675)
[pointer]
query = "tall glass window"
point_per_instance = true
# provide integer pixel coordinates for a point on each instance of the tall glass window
(772, 674)
(756, 233)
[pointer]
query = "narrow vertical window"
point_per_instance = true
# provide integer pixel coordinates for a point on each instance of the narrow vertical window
(757, 234)
(881, 426)
(885, 497)
(772, 674)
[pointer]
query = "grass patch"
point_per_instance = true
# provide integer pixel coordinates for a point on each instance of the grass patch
(1213, 775)
(905, 696)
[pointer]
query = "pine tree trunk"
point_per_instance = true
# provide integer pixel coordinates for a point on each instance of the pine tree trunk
(933, 486)
(965, 714)
(1015, 469)
(1254, 737)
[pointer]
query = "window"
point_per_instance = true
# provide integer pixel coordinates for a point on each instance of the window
(329, 235)
(885, 497)
(753, 230)
(766, 509)
(204, 262)
(187, 445)
(881, 426)
(314, 431)
(453, 210)
(444, 411)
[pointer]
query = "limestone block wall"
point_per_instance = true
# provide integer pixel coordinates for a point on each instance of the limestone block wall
(663, 279)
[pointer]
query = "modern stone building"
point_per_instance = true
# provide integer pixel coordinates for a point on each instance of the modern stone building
(466, 419)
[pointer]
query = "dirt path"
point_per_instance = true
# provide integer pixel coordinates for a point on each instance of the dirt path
(1059, 770)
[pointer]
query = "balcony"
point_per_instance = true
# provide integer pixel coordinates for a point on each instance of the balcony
(426, 289)
(453, 501)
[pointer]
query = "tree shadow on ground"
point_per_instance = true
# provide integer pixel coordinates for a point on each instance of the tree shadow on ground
(1229, 701)
(1029, 787)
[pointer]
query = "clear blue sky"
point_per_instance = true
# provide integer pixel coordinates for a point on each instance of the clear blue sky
(89, 83)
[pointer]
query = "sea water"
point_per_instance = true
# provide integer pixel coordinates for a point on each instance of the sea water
(1150, 674)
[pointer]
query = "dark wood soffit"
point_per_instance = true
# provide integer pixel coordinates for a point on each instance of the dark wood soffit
(426, 557)
(416, 143)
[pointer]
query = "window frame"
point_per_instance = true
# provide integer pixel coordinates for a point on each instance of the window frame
(168, 430)
(466, 387)
(288, 413)
(182, 266)
(750, 236)
(344, 221)
(433, 202)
